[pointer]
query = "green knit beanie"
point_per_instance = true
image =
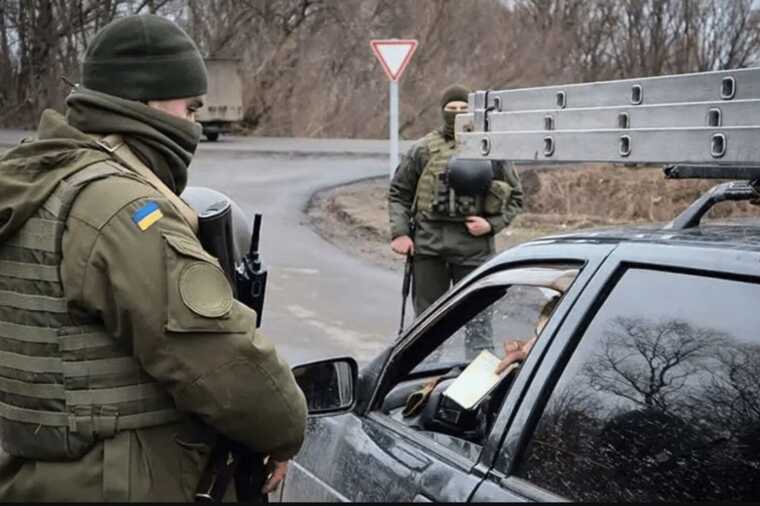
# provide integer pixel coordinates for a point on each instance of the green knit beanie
(143, 58)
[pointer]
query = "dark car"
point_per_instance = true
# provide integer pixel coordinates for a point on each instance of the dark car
(644, 385)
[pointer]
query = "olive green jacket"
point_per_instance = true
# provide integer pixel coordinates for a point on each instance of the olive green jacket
(449, 240)
(159, 292)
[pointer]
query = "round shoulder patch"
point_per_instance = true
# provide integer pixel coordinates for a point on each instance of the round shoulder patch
(205, 290)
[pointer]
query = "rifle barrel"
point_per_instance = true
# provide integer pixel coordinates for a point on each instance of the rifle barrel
(255, 237)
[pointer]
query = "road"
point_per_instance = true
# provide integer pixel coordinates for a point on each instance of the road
(321, 301)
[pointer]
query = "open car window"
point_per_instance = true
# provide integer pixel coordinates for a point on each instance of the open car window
(506, 307)
(512, 317)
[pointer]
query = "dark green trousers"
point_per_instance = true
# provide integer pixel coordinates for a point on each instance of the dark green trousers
(432, 277)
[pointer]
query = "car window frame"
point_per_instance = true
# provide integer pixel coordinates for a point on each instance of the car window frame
(703, 261)
(588, 257)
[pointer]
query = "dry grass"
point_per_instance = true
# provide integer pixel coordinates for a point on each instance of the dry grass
(556, 200)
(605, 195)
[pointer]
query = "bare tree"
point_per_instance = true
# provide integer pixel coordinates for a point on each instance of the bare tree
(650, 363)
(730, 396)
(730, 35)
(44, 40)
(308, 70)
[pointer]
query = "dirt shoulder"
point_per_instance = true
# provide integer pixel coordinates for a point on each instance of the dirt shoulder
(355, 216)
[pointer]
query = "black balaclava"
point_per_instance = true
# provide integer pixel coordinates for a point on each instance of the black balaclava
(450, 94)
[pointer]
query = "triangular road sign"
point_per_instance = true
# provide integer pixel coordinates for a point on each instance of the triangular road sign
(394, 55)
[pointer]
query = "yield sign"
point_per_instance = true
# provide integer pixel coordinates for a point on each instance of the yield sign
(394, 55)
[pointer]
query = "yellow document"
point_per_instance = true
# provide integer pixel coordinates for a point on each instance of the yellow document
(477, 380)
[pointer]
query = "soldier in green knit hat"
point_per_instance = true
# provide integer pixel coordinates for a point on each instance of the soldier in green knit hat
(123, 353)
(454, 234)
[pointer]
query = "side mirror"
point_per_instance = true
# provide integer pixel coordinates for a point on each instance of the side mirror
(329, 385)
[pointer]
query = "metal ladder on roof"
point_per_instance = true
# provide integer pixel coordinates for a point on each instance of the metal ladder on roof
(700, 125)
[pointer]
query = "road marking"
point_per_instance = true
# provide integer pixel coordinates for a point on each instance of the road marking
(362, 346)
(301, 312)
(301, 270)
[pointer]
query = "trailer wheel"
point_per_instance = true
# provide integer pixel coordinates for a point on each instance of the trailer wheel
(212, 136)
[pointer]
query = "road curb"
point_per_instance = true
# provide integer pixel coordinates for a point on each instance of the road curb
(320, 192)
(268, 153)
(258, 153)
(337, 226)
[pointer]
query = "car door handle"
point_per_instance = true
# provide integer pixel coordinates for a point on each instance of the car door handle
(409, 459)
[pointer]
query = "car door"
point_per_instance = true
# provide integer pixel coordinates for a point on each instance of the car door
(649, 390)
(372, 454)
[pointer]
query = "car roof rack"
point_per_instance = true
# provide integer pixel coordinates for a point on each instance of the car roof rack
(700, 125)
(730, 191)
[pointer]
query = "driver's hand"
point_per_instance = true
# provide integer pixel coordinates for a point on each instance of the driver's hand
(276, 472)
(514, 351)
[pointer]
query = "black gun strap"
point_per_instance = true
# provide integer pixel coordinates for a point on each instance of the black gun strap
(217, 475)
(230, 461)
(250, 477)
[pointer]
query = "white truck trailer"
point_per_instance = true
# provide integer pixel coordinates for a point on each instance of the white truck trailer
(223, 105)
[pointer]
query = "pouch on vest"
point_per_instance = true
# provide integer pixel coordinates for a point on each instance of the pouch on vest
(497, 197)
(44, 443)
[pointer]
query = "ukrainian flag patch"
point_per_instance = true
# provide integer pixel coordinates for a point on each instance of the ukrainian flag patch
(147, 215)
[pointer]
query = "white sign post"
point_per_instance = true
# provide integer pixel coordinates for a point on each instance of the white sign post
(394, 56)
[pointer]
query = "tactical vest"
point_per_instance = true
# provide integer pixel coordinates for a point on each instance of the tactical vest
(436, 201)
(64, 382)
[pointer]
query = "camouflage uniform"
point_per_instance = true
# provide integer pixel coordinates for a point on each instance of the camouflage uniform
(445, 251)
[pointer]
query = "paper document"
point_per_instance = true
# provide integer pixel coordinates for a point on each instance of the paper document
(477, 380)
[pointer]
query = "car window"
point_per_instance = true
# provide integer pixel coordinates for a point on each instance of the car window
(513, 316)
(660, 400)
(483, 320)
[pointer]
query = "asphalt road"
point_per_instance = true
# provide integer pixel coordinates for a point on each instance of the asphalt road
(321, 301)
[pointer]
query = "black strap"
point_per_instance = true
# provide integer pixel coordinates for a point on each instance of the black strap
(231, 460)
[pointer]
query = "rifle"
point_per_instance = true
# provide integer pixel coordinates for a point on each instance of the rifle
(405, 288)
(408, 270)
(248, 279)
(229, 459)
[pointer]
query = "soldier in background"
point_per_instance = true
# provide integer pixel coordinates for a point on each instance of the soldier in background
(448, 243)
(123, 354)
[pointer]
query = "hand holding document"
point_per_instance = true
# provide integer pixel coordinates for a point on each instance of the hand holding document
(477, 380)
